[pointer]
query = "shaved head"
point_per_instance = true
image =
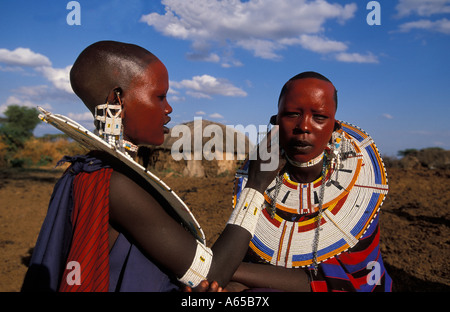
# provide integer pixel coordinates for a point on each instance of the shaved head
(304, 75)
(105, 66)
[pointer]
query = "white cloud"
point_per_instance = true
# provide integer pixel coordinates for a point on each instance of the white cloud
(206, 57)
(318, 44)
(261, 26)
(20, 101)
(442, 26)
(20, 57)
(235, 20)
(172, 91)
(176, 98)
(422, 7)
(200, 113)
(206, 86)
(57, 90)
(13, 100)
(86, 116)
(23, 57)
(59, 77)
(198, 95)
(356, 58)
(11, 69)
(42, 93)
(216, 116)
(265, 49)
(232, 63)
(35, 92)
(387, 116)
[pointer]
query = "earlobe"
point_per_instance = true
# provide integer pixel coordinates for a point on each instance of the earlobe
(337, 125)
(114, 96)
(273, 120)
(118, 100)
(118, 92)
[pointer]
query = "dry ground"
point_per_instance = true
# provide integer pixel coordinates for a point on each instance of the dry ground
(414, 221)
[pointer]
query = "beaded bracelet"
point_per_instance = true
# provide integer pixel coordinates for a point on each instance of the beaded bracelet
(247, 210)
(199, 269)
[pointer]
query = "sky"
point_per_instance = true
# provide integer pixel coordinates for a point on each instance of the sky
(228, 59)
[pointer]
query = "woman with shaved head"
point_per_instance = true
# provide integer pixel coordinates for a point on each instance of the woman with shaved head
(106, 229)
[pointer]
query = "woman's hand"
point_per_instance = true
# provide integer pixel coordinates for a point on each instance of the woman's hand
(204, 286)
(264, 165)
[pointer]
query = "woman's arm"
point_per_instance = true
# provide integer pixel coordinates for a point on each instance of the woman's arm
(254, 275)
(137, 214)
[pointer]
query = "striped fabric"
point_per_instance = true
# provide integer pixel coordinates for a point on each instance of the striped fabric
(359, 269)
(87, 266)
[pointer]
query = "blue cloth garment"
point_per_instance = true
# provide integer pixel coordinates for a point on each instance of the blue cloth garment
(130, 270)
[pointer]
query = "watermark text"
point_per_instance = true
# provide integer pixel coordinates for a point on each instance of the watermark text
(231, 145)
(74, 16)
(374, 277)
(374, 16)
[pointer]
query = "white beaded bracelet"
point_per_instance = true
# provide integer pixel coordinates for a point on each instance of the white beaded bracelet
(247, 210)
(200, 266)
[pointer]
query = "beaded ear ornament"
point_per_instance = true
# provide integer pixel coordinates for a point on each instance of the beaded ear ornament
(110, 127)
(340, 148)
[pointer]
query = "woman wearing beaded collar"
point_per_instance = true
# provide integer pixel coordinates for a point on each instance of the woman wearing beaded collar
(319, 228)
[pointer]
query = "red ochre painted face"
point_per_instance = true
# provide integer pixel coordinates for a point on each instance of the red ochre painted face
(145, 106)
(306, 117)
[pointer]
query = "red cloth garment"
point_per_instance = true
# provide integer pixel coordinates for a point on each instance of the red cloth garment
(87, 265)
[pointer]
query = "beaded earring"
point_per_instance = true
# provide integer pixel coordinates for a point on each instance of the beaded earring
(335, 147)
(340, 148)
(110, 127)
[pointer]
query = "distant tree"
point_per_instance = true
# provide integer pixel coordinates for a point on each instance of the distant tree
(18, 126)
(408, 151)
(415, 152)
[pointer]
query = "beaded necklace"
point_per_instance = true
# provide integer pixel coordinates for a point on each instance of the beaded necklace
(129, 146)
(279, 182)
(319, 215)
(307, 164)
